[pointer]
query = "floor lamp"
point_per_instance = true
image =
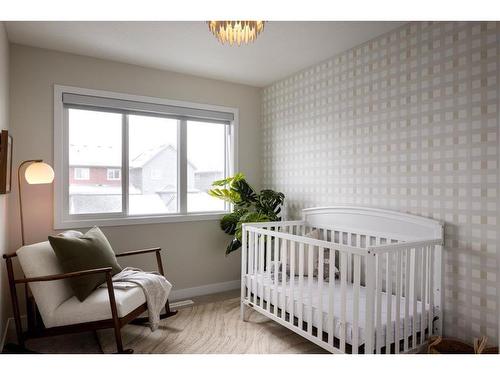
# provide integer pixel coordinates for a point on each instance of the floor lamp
(37, 172)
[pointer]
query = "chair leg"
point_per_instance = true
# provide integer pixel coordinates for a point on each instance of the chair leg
(114, 314)
(15, 302)
(119, 343)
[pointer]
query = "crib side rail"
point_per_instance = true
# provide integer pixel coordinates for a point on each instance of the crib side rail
(276, 224)
(404, 282)
(286, 235)
(287, 276)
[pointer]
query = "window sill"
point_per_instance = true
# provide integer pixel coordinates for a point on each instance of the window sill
(136, 220)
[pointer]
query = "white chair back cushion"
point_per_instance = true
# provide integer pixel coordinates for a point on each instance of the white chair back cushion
(40, 260)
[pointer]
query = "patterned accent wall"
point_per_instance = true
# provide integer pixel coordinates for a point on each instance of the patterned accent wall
(408, 121)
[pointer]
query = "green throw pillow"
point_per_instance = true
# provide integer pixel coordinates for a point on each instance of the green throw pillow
(91, 250)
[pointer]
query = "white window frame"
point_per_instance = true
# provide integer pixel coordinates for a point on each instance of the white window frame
(79, 177)
(62, 218)
(112, 170)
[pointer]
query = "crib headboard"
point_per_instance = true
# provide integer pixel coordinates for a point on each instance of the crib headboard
(393, 224)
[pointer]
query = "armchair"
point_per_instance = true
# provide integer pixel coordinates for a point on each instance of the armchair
(53, 310)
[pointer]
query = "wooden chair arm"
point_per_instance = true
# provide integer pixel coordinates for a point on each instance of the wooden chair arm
(156, 250)
(106, 270)
(137, 252)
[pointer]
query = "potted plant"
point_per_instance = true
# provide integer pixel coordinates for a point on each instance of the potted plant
(249, 206)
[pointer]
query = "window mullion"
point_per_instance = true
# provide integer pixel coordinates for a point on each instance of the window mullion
(182, 166)
(125, 159)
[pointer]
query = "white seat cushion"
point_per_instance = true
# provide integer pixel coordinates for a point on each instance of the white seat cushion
(96, 306)
(55, 300)
(40, 260)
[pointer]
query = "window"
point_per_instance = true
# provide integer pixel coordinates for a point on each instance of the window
(126, 159)
(114, 174)
(94, 141)
(81, 174)
(153, 171)
(206, 150)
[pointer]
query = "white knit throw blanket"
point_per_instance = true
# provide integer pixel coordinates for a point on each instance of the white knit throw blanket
(156, 288)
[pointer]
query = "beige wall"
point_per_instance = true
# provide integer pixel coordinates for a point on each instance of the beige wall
(4, 124)
(195, 250)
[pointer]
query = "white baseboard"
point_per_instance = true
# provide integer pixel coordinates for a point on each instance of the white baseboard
(181, 304)
(202, 290)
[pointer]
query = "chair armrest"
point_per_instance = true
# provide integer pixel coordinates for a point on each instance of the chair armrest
(156, 250)
(137, 252)
(67, 275)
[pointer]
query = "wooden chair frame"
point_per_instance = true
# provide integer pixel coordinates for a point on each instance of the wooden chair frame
(35, 324)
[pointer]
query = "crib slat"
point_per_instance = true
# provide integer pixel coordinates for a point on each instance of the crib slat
(244, 273)
(407, 298)
(310, 255)
(283, 278)
(370, 300)
(301, 285)
(388, 292)
(276, 272)
(355, 311)
(431, 290)
(399, 275)
(378, 304)
(331, 283)
(343, 288)
(268, 271)
(251, 251)
(321, 261)
(423, 295)
(349, 257)
(256, 267)
(292, 282)
(416, 262)
(261, 270)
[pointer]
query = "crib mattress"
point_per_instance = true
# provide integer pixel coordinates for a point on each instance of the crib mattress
(274, 294)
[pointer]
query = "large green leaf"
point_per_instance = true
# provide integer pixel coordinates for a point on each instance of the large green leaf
(245, 191)
(250, 217)
(234, 245)
(230, 221)
(269, 202)
(230, 180)
(227, 195)
(235, 190)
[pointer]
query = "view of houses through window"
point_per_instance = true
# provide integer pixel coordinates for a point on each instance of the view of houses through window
(95, 163)
(114, 174)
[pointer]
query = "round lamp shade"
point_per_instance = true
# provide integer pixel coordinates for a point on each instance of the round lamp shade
(39, 173)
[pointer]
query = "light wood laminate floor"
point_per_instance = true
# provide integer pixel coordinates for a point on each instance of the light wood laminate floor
(211, 325)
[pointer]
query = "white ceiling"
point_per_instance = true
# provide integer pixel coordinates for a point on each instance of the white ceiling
(188, 47)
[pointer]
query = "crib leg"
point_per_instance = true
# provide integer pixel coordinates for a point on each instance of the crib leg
(243, 309)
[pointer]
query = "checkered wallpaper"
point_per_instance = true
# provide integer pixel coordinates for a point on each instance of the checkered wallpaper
(407, 121)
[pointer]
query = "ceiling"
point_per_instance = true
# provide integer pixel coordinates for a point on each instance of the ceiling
(188, 47)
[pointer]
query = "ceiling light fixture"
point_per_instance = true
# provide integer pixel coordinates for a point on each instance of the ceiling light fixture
(236, 31)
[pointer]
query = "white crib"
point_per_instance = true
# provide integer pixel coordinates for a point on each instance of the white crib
(387, 297)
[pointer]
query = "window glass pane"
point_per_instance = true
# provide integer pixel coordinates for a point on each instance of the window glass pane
(152, 165)
(94, 147)
(206, 163)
